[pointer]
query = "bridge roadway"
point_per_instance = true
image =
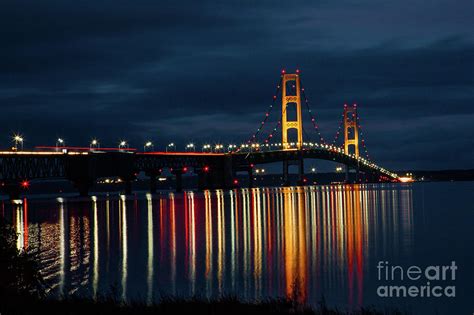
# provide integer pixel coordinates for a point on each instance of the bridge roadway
(214, 170)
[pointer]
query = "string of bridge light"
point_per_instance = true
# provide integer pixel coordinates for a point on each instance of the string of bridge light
(270, 136)
(267, 115)
(362, 141)
(313, 121)
(341, 123)
(275, 129)
(313, 118)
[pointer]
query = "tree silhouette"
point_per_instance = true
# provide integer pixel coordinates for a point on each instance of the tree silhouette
(19, 271)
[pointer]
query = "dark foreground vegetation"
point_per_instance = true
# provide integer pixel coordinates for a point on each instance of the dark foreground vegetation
(22, 291)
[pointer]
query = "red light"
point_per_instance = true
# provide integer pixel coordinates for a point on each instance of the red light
(304, 180)
(251, 165)
(236, 182)
(283, 71)
(206, 168)
(185, 169)
(297, 70)
(25, 184)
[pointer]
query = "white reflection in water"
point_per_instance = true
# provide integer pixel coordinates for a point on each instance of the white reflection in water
(107, 228)
(95, 269)
(63, 225)
(123, 215)
(173, 244)
(221, 240)
(19, 226)
(209, 242)
(191, 223)
(233, 236)
(251, 242)
(150, 249)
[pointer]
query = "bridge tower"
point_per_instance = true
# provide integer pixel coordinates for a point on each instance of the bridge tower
(351, 136)
(351, 130)
(289, 98)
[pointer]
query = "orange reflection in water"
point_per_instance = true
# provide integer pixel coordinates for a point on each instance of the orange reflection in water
(294, 244)
(299, 242)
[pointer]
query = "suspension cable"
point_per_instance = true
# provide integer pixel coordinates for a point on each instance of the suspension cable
(338, 132)
(313, 117)
(362, 141)
(267, 115)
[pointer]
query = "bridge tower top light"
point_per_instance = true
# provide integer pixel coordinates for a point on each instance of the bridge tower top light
(290, 96)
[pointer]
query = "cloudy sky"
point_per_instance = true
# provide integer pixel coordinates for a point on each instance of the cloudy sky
(206, 71)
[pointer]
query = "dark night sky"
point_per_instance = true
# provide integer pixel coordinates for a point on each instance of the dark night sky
(198, 70)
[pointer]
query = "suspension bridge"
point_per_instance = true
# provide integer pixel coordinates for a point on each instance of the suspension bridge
(214, 168)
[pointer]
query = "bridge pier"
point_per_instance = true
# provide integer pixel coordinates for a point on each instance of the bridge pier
(83, 185)
(356, 175)
(229, 173)
(286, 173)
(128, 187)
(12, 189)
(153, 178)
(286, 180)
(153, 175)
(203, 179)
(250, 176)
(301, 179)
(179, 179)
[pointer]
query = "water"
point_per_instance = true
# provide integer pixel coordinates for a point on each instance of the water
(309, 243)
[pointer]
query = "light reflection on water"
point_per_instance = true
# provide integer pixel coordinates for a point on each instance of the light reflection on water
(306, 242)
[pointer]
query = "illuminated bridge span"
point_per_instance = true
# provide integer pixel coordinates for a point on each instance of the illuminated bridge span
(83, 166)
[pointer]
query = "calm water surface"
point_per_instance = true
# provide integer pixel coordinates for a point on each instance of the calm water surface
(255, 243)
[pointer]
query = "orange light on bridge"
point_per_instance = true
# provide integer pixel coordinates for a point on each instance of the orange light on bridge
(406, 179)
